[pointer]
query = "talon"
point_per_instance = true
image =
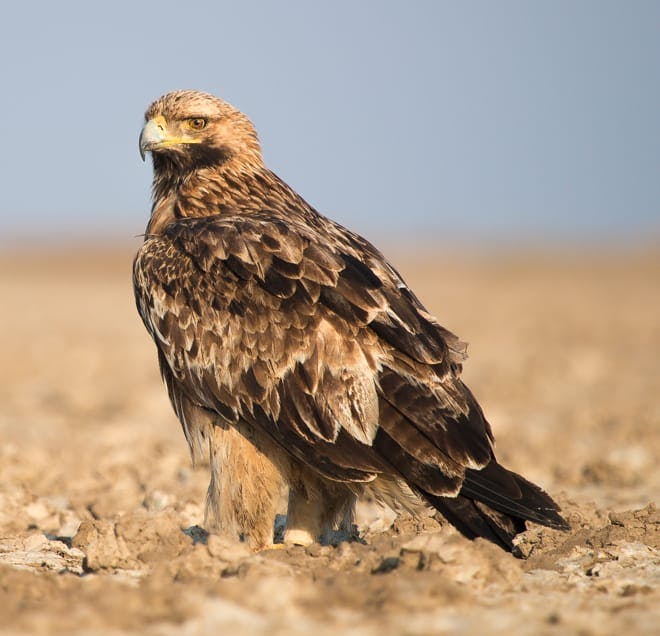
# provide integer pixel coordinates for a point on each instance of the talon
(274, 546)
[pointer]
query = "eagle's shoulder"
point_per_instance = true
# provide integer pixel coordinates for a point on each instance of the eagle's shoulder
(320, 262)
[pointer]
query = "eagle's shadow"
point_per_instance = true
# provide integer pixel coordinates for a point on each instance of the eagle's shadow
(334, 538)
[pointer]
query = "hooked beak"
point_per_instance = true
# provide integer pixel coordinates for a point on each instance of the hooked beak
(153, 135)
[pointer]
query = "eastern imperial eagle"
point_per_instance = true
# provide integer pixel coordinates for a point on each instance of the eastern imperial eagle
(294, 351)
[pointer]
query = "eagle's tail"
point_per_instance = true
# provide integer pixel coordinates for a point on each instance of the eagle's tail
(494, 503)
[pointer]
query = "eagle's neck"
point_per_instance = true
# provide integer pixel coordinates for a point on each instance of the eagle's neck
(226, 189)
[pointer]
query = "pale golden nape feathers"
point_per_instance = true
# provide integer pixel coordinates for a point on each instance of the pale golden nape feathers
(294, 351)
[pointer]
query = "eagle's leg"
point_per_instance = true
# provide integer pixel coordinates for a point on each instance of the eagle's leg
(319, 510)
(245, 489)
(303, 518)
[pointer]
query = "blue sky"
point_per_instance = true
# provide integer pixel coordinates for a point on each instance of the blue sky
(462, 121)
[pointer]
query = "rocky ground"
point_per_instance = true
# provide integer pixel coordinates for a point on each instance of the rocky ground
(101, 511)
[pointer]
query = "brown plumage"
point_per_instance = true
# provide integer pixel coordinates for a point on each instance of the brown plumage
(296, 353)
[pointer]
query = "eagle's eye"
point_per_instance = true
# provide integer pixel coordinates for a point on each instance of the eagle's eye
(197, 123)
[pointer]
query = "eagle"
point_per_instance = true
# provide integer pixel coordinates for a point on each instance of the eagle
(296, 357)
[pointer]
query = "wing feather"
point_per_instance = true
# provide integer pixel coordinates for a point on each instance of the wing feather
(314, 338)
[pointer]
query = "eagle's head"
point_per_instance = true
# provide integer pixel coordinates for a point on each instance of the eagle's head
(185, 130)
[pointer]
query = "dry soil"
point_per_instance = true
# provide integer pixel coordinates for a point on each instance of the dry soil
(101, 510)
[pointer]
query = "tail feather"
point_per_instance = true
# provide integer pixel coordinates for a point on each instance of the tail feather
(521, 498)
(494, 503)
(474, 520)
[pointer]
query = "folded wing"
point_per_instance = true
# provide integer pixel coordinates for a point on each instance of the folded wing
(310, 335)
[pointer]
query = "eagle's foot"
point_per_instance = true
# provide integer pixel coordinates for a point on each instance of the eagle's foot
(298, 536)
(272, 546)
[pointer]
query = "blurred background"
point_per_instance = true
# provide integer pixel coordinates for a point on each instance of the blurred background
(465, 123)
(505, 157)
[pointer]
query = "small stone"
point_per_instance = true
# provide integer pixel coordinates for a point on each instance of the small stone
(314, 550)
(226, 549)
(35, 542)
(157, 500)
(37, 510)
